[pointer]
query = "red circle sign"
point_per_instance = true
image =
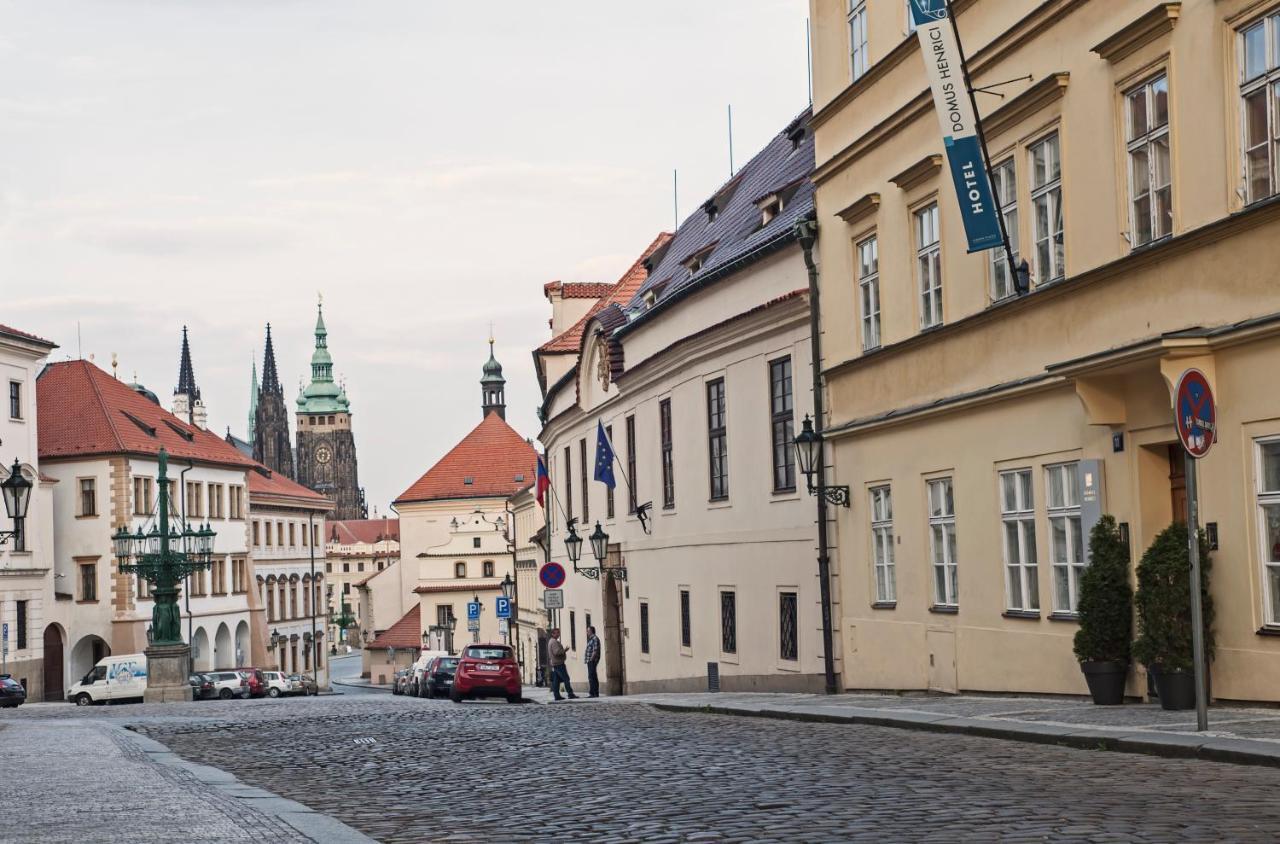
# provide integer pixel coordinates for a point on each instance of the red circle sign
(551, 575)
(1194, 413)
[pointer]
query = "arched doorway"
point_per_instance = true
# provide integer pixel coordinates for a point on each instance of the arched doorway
(242, 643)
(53, 662)
(223, 655)
(201, 655)
(86, 653)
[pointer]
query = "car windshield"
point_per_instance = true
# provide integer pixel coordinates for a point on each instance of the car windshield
(446, 663)
(487, 653)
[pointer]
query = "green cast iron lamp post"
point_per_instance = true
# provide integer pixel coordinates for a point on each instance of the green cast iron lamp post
(163, 556)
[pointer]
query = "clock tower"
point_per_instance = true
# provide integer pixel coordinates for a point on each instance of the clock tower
(326, 445)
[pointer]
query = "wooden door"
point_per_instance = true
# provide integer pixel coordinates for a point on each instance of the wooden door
(53, 663)
(611, 599)
(1178, 483)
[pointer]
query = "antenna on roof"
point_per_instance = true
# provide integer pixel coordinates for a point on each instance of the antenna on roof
(731, 140)
(675, 198)
(114, 363)
(808, 58)
(79, 345)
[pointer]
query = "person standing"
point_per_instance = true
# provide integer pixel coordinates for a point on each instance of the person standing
(592, 657)
(559, 673)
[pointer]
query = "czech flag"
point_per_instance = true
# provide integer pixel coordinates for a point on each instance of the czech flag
(542, 483)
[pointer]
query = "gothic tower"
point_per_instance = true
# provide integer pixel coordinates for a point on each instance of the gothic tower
(493, 387)
(186, 396)
(326, 445)
(271, 444)
(253, 398)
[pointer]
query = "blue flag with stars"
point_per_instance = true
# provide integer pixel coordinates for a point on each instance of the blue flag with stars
(604, 457)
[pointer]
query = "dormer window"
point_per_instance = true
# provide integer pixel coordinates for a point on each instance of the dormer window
(770, 207)
(695, 262)
(650, 298)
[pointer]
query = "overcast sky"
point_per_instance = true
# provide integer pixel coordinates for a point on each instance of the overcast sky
(427, 165)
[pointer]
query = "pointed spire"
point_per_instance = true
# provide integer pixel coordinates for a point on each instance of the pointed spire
(270, 378)
(186, 375)
(323, 395)
(253, 396)
(493, 385)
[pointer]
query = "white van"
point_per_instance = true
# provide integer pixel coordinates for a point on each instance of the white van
(114, 678)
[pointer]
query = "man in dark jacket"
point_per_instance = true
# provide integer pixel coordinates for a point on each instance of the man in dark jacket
(591, 656)
(559, 673)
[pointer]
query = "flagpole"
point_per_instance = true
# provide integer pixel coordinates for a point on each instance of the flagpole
(613, 451)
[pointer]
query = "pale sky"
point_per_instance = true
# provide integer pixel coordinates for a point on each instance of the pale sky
(427, 165)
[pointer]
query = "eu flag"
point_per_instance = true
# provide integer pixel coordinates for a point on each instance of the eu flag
(604, 457)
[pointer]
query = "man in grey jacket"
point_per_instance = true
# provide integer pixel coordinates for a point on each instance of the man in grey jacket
(559, 673)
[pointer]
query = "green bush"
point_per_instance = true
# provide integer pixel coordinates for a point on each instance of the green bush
(1164, 601)
(1106, 598)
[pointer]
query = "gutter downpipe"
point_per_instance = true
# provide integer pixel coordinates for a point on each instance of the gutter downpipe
(807, 234)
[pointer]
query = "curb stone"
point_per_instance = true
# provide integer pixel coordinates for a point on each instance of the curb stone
(1174, 745)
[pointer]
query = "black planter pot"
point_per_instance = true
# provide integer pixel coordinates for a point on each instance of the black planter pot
(1177, 689)
(1106, 681)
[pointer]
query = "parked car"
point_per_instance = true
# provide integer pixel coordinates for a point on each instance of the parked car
(229, 684)
(12, 693)
(114, 678)
(439, 676)
(257, 682)
(201, 687)
(399, 681)
(486, 671)
(418, 672)
(278, 684)
(304, 684)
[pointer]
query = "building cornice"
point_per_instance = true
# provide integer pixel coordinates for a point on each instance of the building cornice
(1157, 22)
(924, 169)
(860, 209)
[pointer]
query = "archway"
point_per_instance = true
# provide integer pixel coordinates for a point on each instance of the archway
(223, 655)
(86, 653)
(243, 654)
(201, 653)
(54, 639)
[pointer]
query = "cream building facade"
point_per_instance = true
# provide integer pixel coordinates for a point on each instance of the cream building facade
(526, 533)
(697, 364)
(357, 550)
(1138, 167)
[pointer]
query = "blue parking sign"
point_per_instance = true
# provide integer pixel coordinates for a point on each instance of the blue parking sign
(473, 610)
(503, 606)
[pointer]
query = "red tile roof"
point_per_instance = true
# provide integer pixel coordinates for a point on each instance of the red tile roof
(363, 531)
(265, 482)
(586, 289)
(404, 634)
(4, 329)
(620, 292)
(497, 461)
(84, 411)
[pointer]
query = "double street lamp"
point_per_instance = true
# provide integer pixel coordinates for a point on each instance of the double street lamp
(599, 549)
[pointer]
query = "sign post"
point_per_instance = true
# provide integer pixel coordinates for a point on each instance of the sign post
(4, 647)
(1196, 419)
(473, 620)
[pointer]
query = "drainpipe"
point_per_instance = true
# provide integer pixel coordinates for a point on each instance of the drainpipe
(807, 233)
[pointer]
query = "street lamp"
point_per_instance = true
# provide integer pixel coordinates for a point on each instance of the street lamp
(599, 543)
(573, 544)
(508, 586)
(808, 444)
(599, 550)
(17, 496)
(275, 639)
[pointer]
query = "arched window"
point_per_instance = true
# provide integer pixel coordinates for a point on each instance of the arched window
(459, 569)
(488, 568)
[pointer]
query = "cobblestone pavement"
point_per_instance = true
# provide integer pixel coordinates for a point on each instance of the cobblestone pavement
(437, 771)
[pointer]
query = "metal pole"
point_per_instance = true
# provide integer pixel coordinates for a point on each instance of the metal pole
(1197, 613)
(186, 592)
(807, 231)
(313, 597)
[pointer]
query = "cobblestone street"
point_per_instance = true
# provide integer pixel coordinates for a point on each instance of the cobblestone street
(627, 772)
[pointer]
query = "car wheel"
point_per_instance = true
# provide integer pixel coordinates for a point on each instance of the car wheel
(274, 693)
(83, 699)
(455, 696)
(225, 694)
(514, 698)
(431, 692)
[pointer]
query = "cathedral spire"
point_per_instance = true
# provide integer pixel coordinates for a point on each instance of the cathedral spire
(186, 374)
(270, 378)
(272, 445)
(493, 386)
(253, 396)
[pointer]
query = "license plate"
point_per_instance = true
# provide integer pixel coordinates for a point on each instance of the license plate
(490, 667)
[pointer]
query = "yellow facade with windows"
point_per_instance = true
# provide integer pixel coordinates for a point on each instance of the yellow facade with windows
(1137, 171)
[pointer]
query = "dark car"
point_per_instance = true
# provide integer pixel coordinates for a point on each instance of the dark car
(12, 692)
(399, 680)
(304, 683)
(438, 678)
(257, 683)
(486, 671)
(201, 687)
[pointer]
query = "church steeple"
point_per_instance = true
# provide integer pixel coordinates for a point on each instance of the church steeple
(253, 397)
(270, 378)
(272, 445)
(493, 387)
(186, 396)
(323, 394)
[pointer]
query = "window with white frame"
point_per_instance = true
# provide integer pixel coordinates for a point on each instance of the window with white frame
(858, 53)
(929, 265)
(882, 544)
(1004, 185)
(1046, 210)
(1017, 513)
(869, 285)
(1259, 94)
(1150, 177)
(1066, 547)
(1269, 524)
(942, 543)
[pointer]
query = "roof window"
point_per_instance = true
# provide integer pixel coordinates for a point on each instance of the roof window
(182, 432)
(695, 262)
(519, 478)
(147, 429)
(469, 480)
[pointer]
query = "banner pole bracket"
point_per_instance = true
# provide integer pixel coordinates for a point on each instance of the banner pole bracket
(986, 89)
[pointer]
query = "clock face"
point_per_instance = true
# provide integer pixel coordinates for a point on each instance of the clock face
(323, 454)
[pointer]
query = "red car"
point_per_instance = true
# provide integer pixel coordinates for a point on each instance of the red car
(257, 683)
(486, 671)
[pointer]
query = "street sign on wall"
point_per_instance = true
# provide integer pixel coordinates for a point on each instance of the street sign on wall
(552, 575)
(1195, 413)
(553, 599)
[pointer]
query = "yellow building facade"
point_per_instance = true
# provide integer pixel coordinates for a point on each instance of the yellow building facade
(1137, 167)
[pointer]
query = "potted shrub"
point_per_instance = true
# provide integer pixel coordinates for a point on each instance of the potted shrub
(1164, 615)
(1106, 615)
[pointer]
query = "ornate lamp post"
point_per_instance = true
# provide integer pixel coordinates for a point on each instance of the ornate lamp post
(17, 496)
(599, 549)
(808, 447)
(163, 556)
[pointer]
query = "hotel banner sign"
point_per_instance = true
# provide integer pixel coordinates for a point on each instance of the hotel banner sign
(951, 98)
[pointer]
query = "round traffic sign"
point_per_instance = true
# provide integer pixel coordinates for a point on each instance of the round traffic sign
(551, 575)
(1194, 412)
